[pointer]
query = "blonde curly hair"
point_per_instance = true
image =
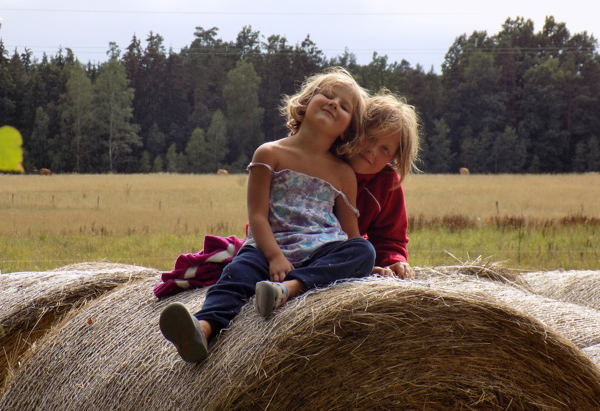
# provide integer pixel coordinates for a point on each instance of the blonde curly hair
(294, 107)
(387, 113)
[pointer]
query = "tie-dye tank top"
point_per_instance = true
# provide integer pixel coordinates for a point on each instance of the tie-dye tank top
(301, 213)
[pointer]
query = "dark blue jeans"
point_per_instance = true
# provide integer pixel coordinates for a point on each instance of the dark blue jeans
(333, 261)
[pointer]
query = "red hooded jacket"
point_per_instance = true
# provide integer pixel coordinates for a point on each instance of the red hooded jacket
(383, 219)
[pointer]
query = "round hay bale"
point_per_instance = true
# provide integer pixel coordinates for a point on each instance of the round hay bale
(363, 345)
(579, 324)
(30, 302)
(593, 353)
(580, 287)
(478, 268)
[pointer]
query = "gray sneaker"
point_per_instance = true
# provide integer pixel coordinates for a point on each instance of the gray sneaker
(269, 296)
(183, 330)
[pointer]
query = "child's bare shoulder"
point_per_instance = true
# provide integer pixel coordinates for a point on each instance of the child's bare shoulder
(266, 153)
(345, 172)
(342, 165)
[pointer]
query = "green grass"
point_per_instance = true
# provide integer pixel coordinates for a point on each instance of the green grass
(46, 251)
(527, 248)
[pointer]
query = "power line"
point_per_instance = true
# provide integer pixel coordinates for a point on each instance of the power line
(245, 13)
(381, 52)
(191, 50)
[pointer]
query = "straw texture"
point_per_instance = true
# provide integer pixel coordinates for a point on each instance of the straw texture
(374, 344)
(30, 302)
(593, 353)
(580, 287)
(580, 324)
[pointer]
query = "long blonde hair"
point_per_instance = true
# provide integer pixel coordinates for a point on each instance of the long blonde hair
(294, 107)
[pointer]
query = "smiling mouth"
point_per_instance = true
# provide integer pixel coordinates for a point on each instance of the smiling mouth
(328, 112)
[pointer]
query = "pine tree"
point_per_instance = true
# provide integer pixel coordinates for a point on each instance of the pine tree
(38, 147)
(276, 65)
(195, 152)
(542, 108)
(172, 159)
(216, 141)
(593, 157)
(243, 111)
(157, 165)
(438, 157)
(508, 152)
(155, 140)
(113, 114)
(19, 76)
(76, 114)
(145, 163)
(7, 90)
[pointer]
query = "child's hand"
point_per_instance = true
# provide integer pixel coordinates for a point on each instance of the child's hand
(401, 270)
(279, 267)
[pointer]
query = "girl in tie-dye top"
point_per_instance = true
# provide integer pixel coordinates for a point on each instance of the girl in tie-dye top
(301, 213)
(303, 228)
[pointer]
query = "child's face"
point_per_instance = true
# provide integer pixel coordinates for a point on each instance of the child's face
(375, 152)
(331, 110)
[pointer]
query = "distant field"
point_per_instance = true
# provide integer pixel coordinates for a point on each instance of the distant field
(533, 221)
(483, 196)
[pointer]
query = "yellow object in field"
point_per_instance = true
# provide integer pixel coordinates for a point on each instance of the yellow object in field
(11, 150)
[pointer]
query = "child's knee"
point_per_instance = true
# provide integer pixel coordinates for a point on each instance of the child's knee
(363, 253)
(365, 248)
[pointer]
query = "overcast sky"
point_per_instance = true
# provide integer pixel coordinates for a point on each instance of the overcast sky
(417, 31)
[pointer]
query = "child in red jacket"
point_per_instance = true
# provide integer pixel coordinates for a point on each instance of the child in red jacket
(387, 155)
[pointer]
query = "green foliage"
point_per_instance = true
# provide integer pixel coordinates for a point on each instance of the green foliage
(7, 87)
(77, 121)
(593, 154)
(438, 157)
(155, 140)
(145, 162)
(520, 100)
(475, 149)
(587, 155)
(508, 152)
(216, 141)
(157, 165)
(38, 140)
(113, 113)
(244, 113)
(172, 159)
(543, 110)
(196, 152)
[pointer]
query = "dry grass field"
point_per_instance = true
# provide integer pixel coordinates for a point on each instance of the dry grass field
(484, 196)
(49, 221)
(121, 204)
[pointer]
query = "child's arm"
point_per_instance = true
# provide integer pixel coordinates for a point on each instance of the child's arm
(387, 233)
(259, 189)
(345, 215)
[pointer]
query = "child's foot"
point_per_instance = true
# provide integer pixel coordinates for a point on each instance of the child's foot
(183, 330)
(269, 295)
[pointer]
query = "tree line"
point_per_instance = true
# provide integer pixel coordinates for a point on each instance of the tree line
(514, 102)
